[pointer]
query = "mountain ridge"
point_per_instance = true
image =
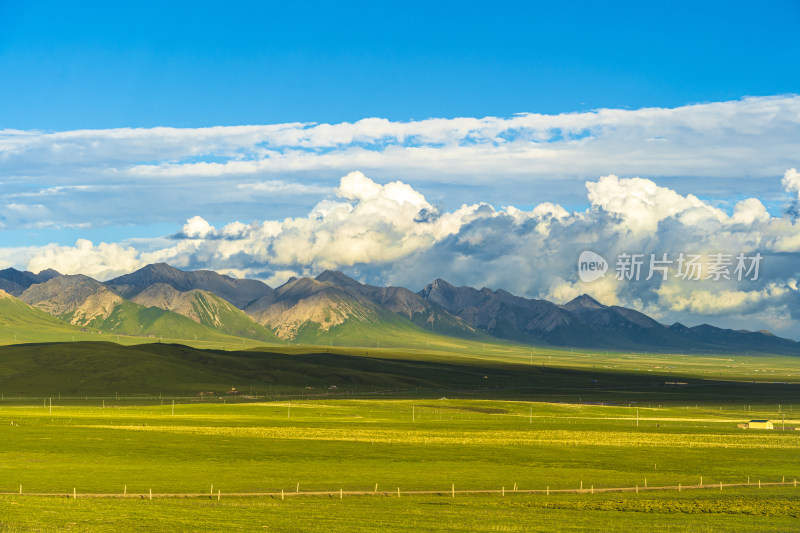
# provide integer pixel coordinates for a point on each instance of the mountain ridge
(87, 303)
(239, 292)
(333, 307)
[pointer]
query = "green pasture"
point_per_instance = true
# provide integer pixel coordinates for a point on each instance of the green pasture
(421, 444)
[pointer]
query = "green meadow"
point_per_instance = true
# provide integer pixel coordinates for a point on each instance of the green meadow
(109, 447)
(110, 423)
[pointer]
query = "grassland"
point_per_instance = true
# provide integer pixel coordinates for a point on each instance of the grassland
(479, 417)
(415, 444)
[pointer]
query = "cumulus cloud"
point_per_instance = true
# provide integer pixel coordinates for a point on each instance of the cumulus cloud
(791, 181)
(103, 261)
(378, 232)
(675, 297)
(197, 228)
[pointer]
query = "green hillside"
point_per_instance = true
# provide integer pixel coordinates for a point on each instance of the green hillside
(128, 318)
(19, 322)
(385, 329)
(214, 312)
(205, 308)
(104, 368)
(107, 369)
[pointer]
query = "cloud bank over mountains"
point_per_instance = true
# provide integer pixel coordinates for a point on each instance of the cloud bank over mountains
(391, 234)
(471, 200)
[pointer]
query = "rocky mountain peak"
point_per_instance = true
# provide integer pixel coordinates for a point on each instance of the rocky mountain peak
(584, 301)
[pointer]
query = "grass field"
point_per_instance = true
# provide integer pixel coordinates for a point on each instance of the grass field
(98, 418)
(415, 444)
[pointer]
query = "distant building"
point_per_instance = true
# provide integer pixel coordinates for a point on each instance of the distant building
(233, 391)
(760, 424)
(743, 425)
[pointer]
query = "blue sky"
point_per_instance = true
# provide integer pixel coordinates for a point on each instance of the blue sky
(485, 143)
(72, 65)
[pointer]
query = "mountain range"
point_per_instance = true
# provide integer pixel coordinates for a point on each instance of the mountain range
(159, 300)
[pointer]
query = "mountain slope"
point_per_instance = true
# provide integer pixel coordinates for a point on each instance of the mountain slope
(425, 314)
(585, 322)
(15, 282)
(85, 302)
(626, 325)
(711, 338)
(319, 312)
(239, 292)
(204, 308)
(20, 322)
(506, 316)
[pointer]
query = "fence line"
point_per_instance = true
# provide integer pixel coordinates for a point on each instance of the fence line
(452, 492)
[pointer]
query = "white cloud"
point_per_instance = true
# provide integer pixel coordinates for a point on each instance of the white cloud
(117, 175)
(197, 228)
(394, 230)
(791, 181)
(391, 233)
(677, 297)
(282, 187)
(641, 204)
(103, 261)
